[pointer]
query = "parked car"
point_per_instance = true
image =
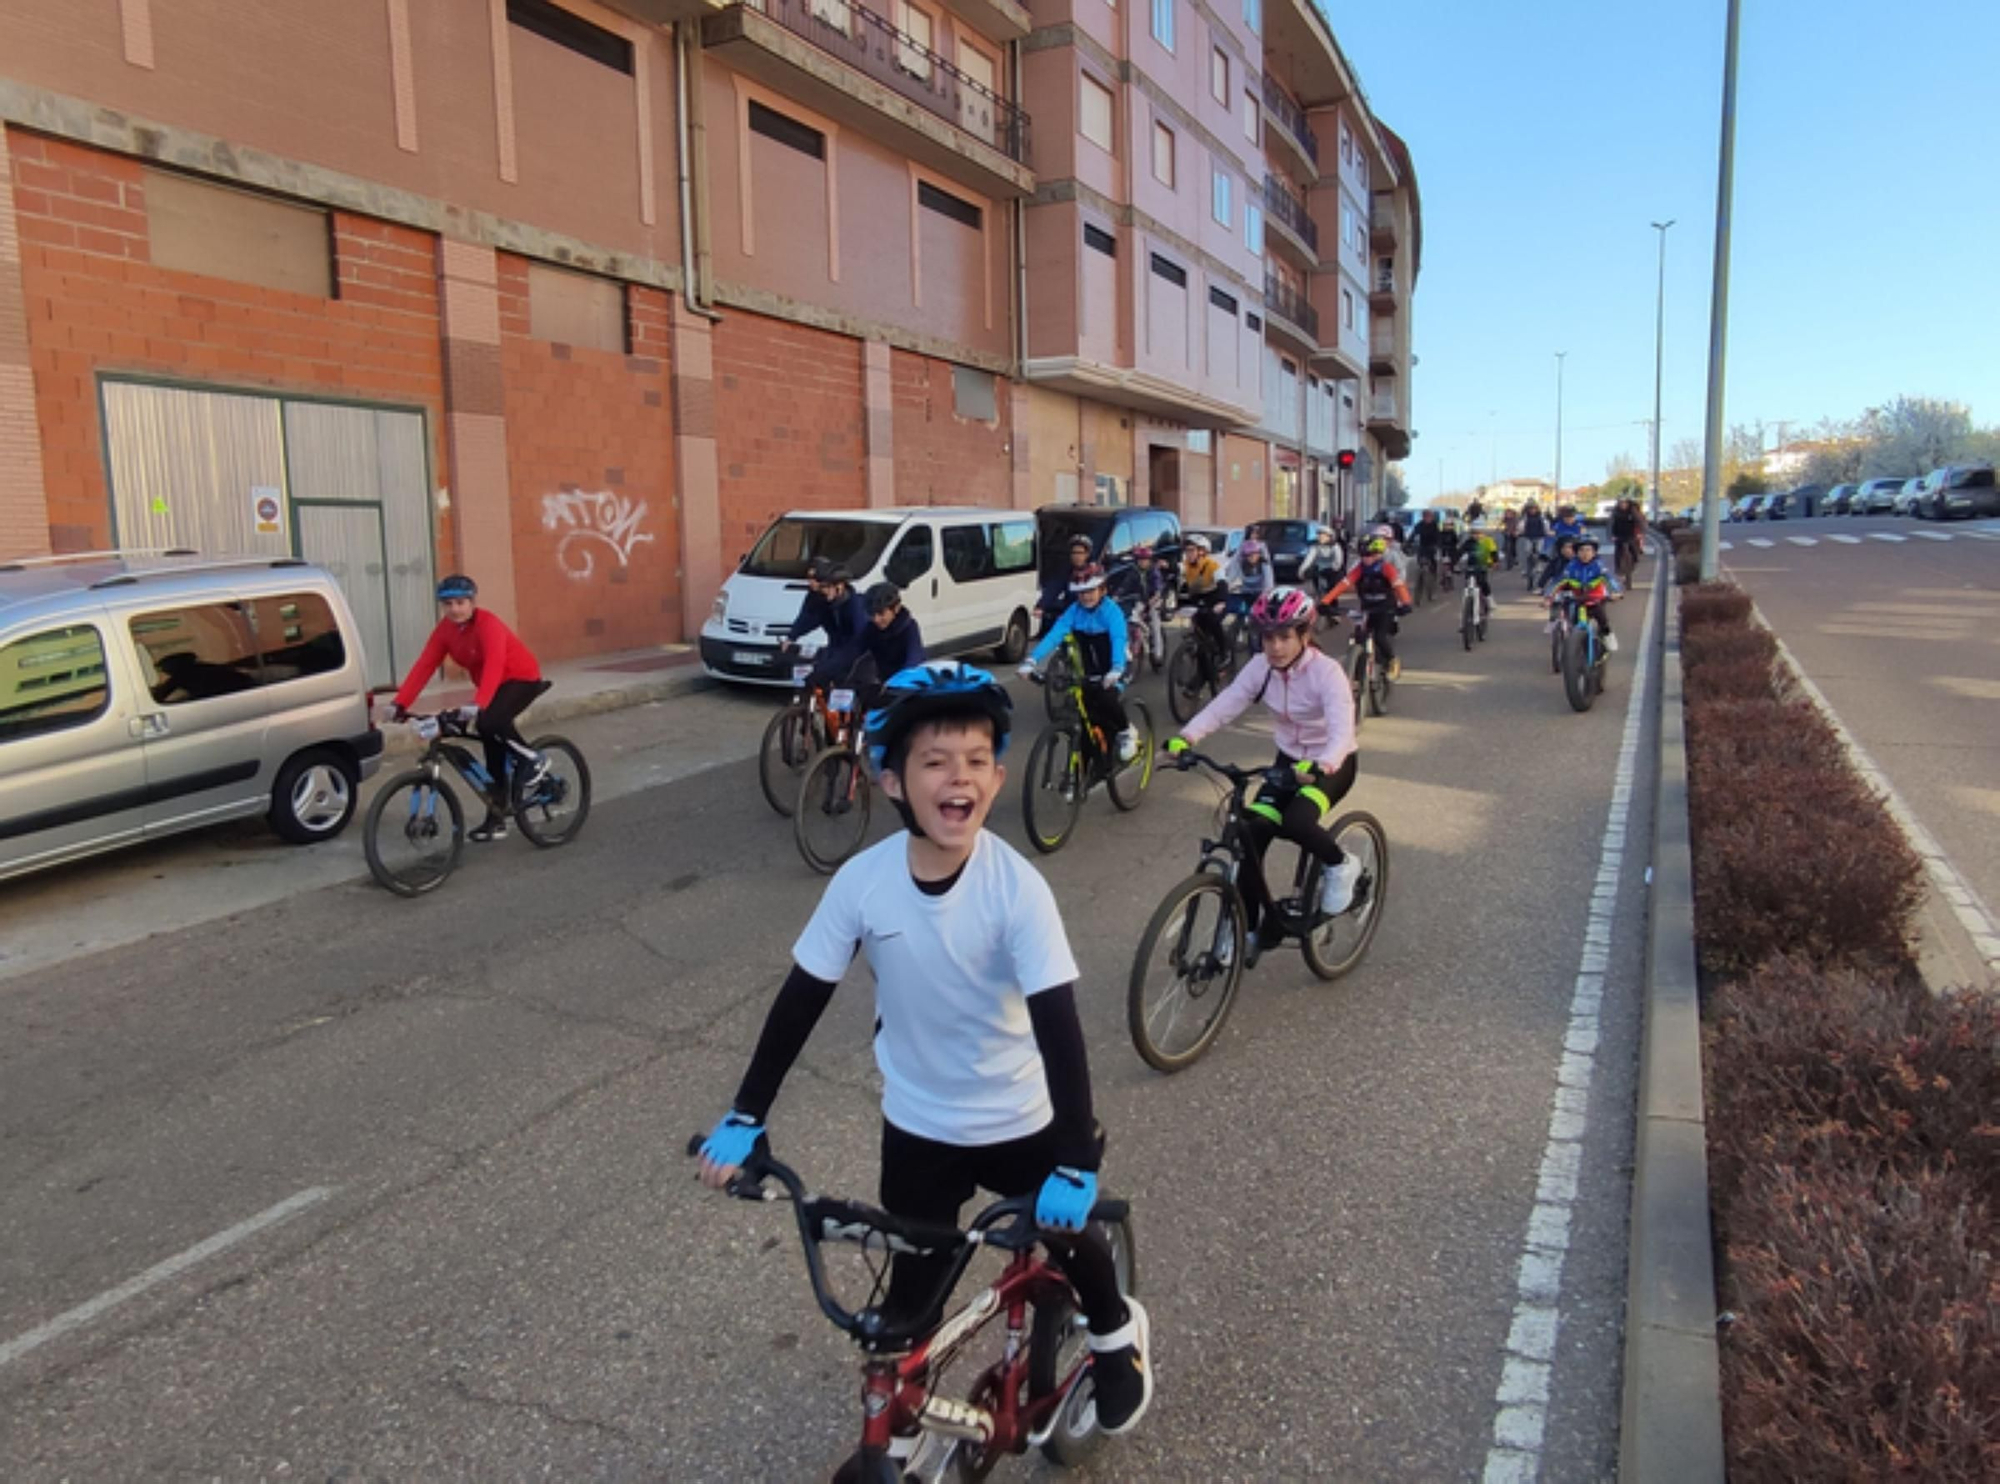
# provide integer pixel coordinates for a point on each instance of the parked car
(1906, 498)
(1803, 502)
(1959, 492)
(1876, 497)
(1113, 532)
(1778, 507)
(144, 695)
(1839, 500)
(1222, 540)
(1744, 508)
(1288, 541)
(967, 575)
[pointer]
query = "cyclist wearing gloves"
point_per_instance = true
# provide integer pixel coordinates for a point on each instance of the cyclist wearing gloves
(1379, 588)
(1209, 596)
(505, 680)
(837, 610)
(1249, 574)
(1100, 633)
(1145, 585)
(1324, 561)
(985, 1080)
(1586, 577)
(1309, 694)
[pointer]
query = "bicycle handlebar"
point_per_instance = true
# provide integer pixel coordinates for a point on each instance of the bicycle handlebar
(827, 1219)
(1276, 775)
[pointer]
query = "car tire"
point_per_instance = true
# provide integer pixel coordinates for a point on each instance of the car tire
(1014, 643)
(314, 797)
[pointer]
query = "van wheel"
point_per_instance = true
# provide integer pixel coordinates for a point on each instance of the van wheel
(1015, 643)
(314, 797)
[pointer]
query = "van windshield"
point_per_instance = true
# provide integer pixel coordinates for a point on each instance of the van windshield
(790, 546)
(1055, 529)
(1285, 535)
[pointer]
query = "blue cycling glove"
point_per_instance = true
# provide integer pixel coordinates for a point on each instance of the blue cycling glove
(1066, 1199)
(733, 1140)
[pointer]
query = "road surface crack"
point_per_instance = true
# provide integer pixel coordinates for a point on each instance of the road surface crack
(458, 1387)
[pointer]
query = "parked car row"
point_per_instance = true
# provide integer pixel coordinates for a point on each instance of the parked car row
(1952, 492)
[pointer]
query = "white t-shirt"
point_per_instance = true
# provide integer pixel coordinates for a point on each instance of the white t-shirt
(952, 978)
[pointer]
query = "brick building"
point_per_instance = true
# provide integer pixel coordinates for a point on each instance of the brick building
(577, 296)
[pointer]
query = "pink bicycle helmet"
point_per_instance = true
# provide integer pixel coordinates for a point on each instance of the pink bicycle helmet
(1281, 608)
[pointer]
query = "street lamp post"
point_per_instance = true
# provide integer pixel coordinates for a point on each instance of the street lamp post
(1659, 357)
(1718, 311)
(1559, 425)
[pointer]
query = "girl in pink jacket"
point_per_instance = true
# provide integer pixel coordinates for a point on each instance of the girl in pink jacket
(1314, 704)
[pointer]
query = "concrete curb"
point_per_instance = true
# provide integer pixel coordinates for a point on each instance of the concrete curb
(1671, 1427)
(556, 706)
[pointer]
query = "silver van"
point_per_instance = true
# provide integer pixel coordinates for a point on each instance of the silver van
(144, 694)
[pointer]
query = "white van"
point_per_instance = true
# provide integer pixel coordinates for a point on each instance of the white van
(967, 575)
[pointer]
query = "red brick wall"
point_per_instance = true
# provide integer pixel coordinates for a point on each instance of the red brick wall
(789, 427)
(590, 462)
(942, 458)
(97, 304)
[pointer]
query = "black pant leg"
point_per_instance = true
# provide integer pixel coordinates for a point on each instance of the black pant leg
(497, 729)
(922, 1180)
(1018, 1168)
(1105, 709)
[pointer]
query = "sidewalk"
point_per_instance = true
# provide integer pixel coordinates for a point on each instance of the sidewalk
(586, 687)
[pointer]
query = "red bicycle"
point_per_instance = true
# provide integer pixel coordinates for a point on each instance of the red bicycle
(1037, 1393)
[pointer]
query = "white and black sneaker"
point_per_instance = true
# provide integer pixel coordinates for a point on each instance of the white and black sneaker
(1122, 1373)
(495, 828)
(1336, 886)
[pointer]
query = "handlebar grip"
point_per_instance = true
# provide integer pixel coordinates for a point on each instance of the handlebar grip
(694, 1145)
(1110, 1210)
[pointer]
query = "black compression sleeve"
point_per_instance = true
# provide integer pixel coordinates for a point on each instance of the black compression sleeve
(1059, 1038)
(800, 1003)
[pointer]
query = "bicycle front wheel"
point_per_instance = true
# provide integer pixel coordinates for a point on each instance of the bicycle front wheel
(831, 819)
(1052, 789)
(1340, 942)
(1358, 668)
(1185, 687)
(1059, 1347)
(1576, 669)
(1129, 780)
(1466, 621)
(1057, 679)
(781, 759)
(414, 833)
(1378, 688)
(552, 812)
(1186, 972)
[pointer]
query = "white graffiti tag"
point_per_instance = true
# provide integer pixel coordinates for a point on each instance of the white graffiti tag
(587, 518)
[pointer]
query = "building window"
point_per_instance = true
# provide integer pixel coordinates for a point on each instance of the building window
(944, 203)
(914, 48)
(222, 232)
(1172, 272)
(1250, 117)
(1218, 75)
(1163, 23)
(974, 395)
(1222, 301)
(834, 13)
(787, 131)
(1096, 114)
(1253, 322)
(1221, 202)
(52, 680)
(567, 29)
(1253, 228)
(1253, 16)
(1347, 308)
(1346, 225)
(574, 308)
(1163, 154)
(1346, 144)
(1099, 240)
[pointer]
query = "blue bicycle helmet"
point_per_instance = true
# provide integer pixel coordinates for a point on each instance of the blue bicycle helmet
(940, 688)
(458, 585)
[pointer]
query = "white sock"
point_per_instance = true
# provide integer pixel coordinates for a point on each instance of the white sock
(1126, 1334)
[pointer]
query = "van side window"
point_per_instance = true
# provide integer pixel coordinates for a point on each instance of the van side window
(1013, 547)
(297, 635)
(52, 680)
(912, 558)
(197, 654)
(967, 557)
(1120, 543)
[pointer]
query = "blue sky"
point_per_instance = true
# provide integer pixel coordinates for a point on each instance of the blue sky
(1547, 134)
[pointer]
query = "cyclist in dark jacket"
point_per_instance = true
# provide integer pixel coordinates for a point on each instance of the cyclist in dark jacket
(835, 608)
(1056, 596)
(893, 639)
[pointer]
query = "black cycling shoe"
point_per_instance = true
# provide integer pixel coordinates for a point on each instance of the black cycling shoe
(1123, 1377)
(495, 828)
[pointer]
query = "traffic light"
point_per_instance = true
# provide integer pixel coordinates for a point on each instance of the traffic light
(1345, 458)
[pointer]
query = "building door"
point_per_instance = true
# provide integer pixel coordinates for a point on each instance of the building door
(1163, 472)
(247, 474)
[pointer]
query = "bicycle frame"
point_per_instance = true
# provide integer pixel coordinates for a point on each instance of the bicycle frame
(1234, 845)
(1096, 746)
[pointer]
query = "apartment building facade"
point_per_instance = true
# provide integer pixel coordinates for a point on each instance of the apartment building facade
(577, 296)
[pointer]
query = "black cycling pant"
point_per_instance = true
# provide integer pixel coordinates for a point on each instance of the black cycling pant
(924, 1180)
(1208, 622)
(497, 730)
(1479, 575)
(1301, 819)
(1105, 709)
(1381, 624)
(1513, 545)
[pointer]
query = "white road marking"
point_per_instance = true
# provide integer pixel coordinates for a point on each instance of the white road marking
(1846, 540)
(1885, 536)
(1802, 540)
(1521, 1402)
(1984, 535)
(1933, 535)
(1760, 541)
(1727, 545)
(83, 1313)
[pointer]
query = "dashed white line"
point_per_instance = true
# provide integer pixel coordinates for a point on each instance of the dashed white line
(1984, 535)
(1727, 545)
(1933, 535)
(1803, 540)
(131, 1288)
(1846, 540)
(1760, 541)
(1522, 1400)
(1885, 536)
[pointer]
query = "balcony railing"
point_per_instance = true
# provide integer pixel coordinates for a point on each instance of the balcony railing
(1385, 281)
(1292, 117)
(1281, 299)
(874, 47)
(1289, 209)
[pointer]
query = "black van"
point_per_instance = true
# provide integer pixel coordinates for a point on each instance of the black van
(1288, 541)
(1113, 533)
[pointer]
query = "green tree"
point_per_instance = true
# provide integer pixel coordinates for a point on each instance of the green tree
(1913, 435)
(1747, 482)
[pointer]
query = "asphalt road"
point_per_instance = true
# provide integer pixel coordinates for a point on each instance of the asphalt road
(1903, 637)
(510, 1273)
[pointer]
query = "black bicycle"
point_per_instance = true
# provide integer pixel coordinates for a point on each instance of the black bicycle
(415, 831)
(1192, 957)
(1197, 670)
(1073, 756)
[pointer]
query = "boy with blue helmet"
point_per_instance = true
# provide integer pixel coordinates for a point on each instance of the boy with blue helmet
(1100, 632)
(985, 1081)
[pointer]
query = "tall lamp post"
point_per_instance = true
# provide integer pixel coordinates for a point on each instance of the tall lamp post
(1559, 426)
(1718, 310)
(1659, 357)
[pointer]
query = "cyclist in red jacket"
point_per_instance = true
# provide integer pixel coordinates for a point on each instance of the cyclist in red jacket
(505, 678)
